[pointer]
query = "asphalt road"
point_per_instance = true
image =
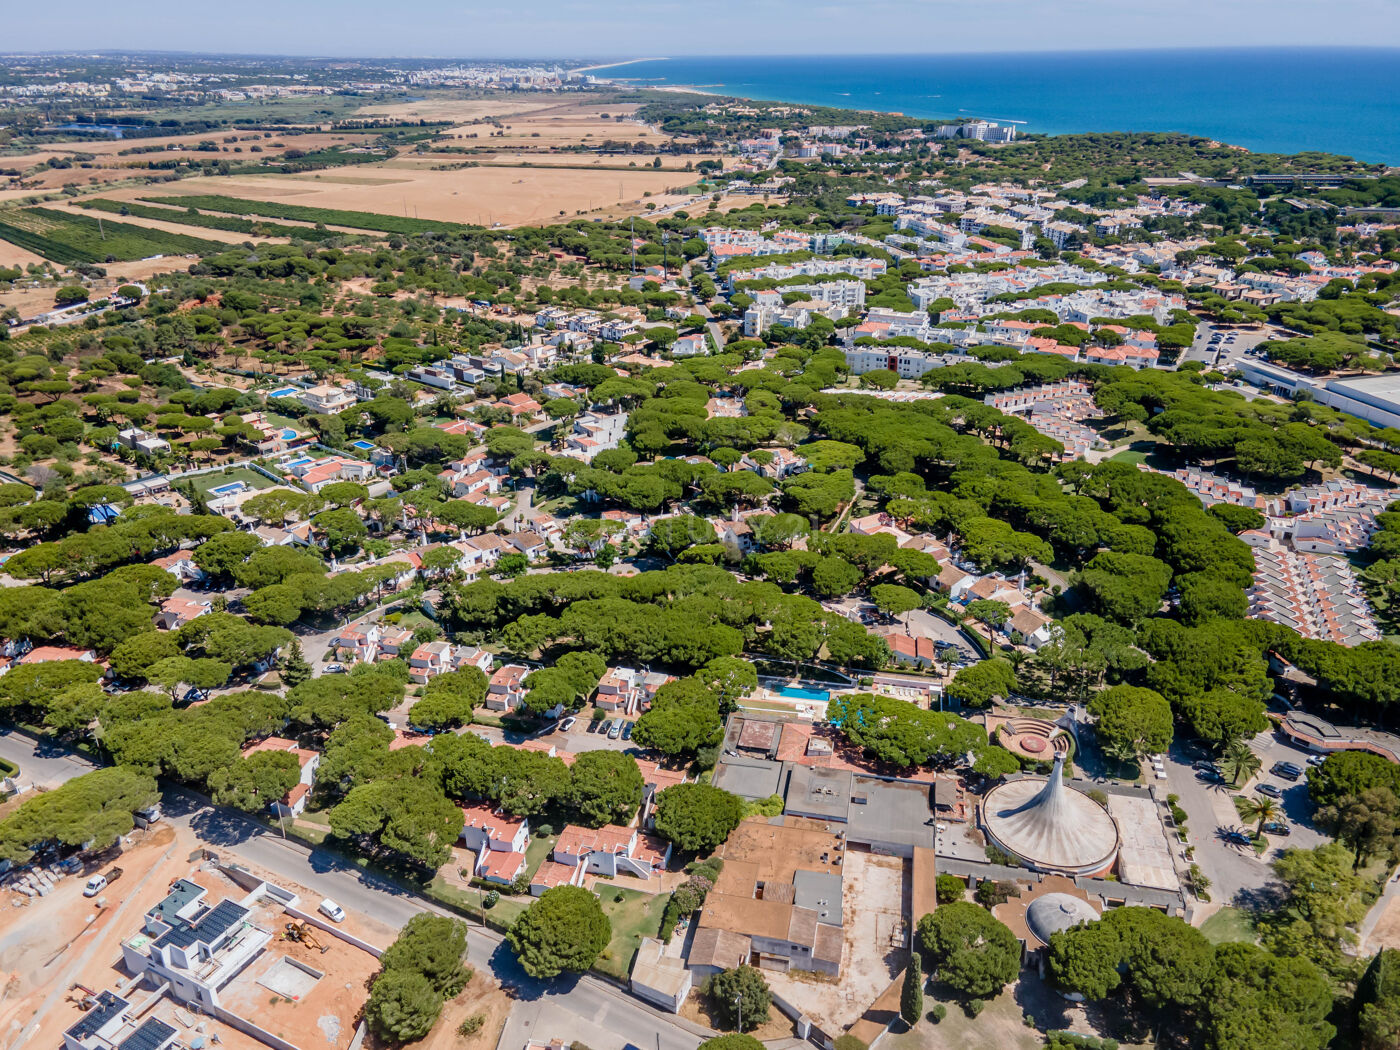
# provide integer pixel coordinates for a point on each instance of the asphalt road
(39, 763)
(560, 1007)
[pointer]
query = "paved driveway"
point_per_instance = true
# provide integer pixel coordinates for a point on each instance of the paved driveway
(931, 626)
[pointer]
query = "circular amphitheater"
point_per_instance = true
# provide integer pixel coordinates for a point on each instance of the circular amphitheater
(1037, 739)
(1049, 826)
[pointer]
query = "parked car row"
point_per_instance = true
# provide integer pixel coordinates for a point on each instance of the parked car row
(613, 728)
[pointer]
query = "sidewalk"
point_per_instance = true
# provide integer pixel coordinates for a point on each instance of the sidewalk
(1384, 908)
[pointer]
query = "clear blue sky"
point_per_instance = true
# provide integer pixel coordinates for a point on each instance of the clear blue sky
(588, 28)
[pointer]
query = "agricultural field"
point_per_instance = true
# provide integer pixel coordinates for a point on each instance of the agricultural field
(427, 200)
(360, 220)
(189, 216)
(70, 239)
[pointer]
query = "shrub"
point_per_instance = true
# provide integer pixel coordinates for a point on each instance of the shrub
(975, 1007)
(989, 894)
(996, 856)
(938, 1013)
(471, 1025)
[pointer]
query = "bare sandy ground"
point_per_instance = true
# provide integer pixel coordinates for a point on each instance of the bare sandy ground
(472, 195)
(30, 301)
(517, 158)
(12, 255)
(109, 166)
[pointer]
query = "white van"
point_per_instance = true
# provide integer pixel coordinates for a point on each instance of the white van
(331, 910)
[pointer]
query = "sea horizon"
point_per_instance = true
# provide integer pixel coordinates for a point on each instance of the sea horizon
(1265, 99)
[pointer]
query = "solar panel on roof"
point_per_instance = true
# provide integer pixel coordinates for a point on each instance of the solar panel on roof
(108, 1006)
(208, 928)
(152, 1035)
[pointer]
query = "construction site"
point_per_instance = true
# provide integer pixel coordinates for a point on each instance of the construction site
(190, 950)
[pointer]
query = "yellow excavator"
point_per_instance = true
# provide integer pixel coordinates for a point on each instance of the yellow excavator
(305, 933)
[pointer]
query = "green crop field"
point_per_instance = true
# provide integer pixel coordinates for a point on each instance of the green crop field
(191, 217)
(357, 220)
(68, 239)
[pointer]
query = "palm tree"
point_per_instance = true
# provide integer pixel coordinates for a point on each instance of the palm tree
(1262, 809)
(1240, 760)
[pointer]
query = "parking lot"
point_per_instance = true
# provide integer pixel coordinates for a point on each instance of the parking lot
(1230, 864)
(1232, 342)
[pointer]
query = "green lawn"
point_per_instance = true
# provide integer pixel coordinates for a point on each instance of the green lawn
(276, 419)
(508, 909)
(505, 911)
(1129, 455)
(540, 847)
(636, 916)
(411, 621)
(206, 482)
(1229, 924)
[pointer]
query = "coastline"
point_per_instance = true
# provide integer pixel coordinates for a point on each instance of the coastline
(614, 65)
(686, 89)
(1217, 94)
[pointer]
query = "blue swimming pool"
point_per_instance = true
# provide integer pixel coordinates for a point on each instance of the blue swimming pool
(288, 434)
(804, 694)
(228, 489)
(363, 446)
(286, 391)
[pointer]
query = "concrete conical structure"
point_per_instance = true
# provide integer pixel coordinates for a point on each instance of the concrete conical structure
(1050, 826)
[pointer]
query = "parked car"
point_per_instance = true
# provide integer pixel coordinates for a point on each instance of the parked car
(98, 883)
(1316, 760)
(1275, 827)
(605, 726)
(334, 669)
(567, 724)
(1269, 790)
(331, 910)
(627, 731)
(615, 730)
(1287, 770)
(1204, 763)
(1211, 776)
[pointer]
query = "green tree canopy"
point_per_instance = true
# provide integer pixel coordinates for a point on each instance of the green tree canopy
(697, 817)
(564, 930)
(1132, 721)
(972, 951)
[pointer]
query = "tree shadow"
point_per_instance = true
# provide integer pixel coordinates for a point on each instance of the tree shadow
(1269, 897)
(516, 983)
(1049, 1010)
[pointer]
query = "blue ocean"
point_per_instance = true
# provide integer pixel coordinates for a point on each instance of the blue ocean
(1286, 100)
